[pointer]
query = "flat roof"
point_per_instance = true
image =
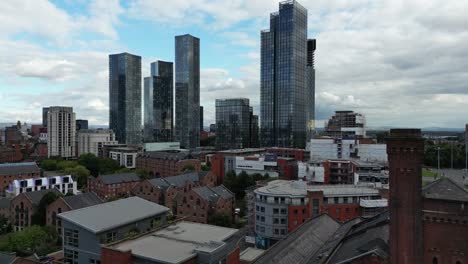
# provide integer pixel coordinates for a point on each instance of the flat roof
(178, 242)
(239, 151)
(106, 216)
(251, 254)
(300, 188)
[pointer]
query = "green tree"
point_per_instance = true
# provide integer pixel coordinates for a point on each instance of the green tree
(108, 166)
(65, 164)
(90, 162)
(39, 218)
(33, 239)
(5, 227)
(220, 219)
(49, 164)
(188, 168)
(80, 174)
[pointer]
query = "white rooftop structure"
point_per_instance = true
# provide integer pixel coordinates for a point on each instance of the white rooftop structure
(106, 216)
(177, 243)
(64, 184)
(373, 203)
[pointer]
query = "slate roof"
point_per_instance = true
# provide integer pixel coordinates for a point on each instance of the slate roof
(159, 182)
(18, 168)
(82, 200)
(445, 189)
(120, 178)
(213, 194)
(106, 216)
(5, 202)
(36, 196)
(180, 180)
(300, 245)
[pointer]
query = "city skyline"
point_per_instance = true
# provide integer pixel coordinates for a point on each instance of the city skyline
(354, 64)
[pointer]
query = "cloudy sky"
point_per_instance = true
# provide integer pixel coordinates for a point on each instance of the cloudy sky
(400, 62)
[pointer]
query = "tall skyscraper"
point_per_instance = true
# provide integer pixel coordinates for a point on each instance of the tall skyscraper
(201, 118)
(61, 132)
(284, 102)
(158, 103)
(233, 123)
(311, 46)
(125, 97)
(253, 131)
(44, 116)
(187, 81)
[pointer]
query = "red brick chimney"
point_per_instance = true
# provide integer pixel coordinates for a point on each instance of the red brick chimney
(405, 149)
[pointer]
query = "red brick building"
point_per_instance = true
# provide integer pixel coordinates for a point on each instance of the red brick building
(17, 171)
(23, 206)
(167, 163)
(10, 154)
(68, 203)
(293, 153)
(164, 191)
(113, 185)
(198, 204)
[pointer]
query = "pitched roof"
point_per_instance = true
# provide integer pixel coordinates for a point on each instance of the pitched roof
(300, 245)
(36, 196)
(82, 200)
(106, 216)
(445, 189)
(213, 194)
(180, 180)
(18, 168)
(5, 202)
(159, 182)
(120, 178)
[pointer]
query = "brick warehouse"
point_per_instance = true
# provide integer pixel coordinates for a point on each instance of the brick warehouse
(166, 163)
(17, 171)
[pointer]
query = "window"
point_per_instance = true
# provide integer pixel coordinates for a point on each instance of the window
(70, 237)
(94, 261)
(345, 200)
(283, 231)
(111, 236)
(283, 221)
(70, 256)
(262, 209)
(275, 211)
(276, 231)
(335, 200)
(275, 221)
(315, 207)
(295, 211)
(262, 219)
(283, 211)
(257, 208)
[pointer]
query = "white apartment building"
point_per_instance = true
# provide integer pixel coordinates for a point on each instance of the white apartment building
(61, 130)
(64, 184)
(253, 165)
(93, 140)
(126, 156)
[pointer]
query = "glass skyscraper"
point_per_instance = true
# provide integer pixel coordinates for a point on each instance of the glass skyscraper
(187, 82)
(158, 103)
(311, 46)
(233, 123)
(284, 94)
(125, 97)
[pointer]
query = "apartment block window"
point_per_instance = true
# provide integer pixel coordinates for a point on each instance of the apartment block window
(284, 211)
(94, 261)
(71, 256)
(262, 209)
(345, 200)
(276, 231)
(283, 231)
(276, 199)
(262, 219)
(70, 237)
(295, 211)
(335, 200)
(355, 199)
(283, 221)
(257, 208)
(275, 211)
(275, 221)
(315, 207)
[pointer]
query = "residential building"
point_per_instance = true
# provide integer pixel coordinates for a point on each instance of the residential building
(24, 206)
(61, 132)
(346, 124)
(16, 134)
(165, 191)
(233, 122)
(311, 47)
(81, 124)
(45, 110)
(125, 97)
(9, 154)
(254, 131)
(86, 229)
(126, 156)
(201, 203)
(113, 185)
(64, 184)
(187, 87)
(68, 203)
(337, 148)
(167, 163)
(181, 242)
(284, 93)
(296, 154)
(282, 206)
(158, 103)
(93, 140)
(201, 119)
(266, 164)
(17, 171)
(225, 161)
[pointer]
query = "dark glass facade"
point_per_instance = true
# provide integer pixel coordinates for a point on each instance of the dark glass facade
(158, 103)
(125, 97)
(311, 46)
(187, 86)
(233, 123)
(44, 116)
(201, 118)
(81, 124)
(284, 102)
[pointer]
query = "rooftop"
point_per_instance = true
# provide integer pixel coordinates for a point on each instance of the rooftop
(242, 151)
(300, 188)
(251, 254)
(36, 196)
(106, 216)
(18, 168)
(82, 200)
(445, 189)
(178, 242)
(120, 178)
(212, 194)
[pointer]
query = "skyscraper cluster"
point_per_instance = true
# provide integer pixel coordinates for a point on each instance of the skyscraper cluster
(158, 97)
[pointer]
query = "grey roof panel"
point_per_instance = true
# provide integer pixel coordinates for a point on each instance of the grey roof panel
(223, 192)
(36, 196)
(180, 180)
(106, 216)
(302, 244)
(445, 189)
(18, 168)
(82, 200)
(120, 178)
